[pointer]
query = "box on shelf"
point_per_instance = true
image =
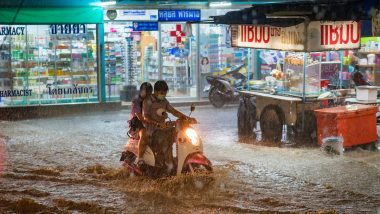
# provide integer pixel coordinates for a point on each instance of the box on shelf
(366, 93)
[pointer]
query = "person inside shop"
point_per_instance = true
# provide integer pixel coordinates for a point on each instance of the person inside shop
(155, 110)
(205, 67)
(180, 51)
(137, 129)
(358, 77)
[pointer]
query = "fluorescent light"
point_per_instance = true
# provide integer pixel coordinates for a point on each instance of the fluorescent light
(104, 3)
(220, 4)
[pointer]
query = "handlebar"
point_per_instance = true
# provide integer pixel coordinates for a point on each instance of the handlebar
(171, 124)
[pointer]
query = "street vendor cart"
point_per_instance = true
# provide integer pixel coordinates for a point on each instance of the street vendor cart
(308, 77)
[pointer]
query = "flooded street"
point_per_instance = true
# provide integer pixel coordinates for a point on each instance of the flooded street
(71, 165)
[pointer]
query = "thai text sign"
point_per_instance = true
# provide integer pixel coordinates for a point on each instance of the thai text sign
(131, 15)
(268, 37)
(333, 35)
(179, 15)
(318, 37)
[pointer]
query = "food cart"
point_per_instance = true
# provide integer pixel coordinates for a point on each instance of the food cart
(288, 92)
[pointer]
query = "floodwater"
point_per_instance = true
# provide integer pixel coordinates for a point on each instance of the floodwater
(71, 165)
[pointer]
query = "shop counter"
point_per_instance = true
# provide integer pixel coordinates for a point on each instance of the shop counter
(355, 123)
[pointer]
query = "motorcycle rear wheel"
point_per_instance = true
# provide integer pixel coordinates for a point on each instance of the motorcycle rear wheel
(216, 98)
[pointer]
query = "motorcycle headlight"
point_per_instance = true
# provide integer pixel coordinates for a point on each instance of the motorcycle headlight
(192, 135)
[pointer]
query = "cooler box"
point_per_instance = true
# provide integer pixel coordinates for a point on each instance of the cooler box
(357, 125)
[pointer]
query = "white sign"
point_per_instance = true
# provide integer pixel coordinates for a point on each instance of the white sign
(268, 37)
(320, 36)
(135, 15)
(333, 35)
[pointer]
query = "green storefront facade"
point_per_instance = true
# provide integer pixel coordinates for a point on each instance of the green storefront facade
(65, 52)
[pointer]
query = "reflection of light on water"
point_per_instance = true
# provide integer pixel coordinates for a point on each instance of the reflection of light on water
(2, 155)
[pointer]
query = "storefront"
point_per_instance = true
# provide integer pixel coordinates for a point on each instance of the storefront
(148, 45)
(49, 55)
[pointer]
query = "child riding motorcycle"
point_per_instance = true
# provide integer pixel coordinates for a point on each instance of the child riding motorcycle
(136, 120)
(155, 108)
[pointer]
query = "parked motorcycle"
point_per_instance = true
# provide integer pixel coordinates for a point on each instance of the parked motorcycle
(224, 88)
(158, 158)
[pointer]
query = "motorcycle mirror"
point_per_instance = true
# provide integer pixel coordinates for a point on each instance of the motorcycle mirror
(192, 108)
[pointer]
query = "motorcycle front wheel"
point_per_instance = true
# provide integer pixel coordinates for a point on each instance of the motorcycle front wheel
(197, 168)
(216, 98)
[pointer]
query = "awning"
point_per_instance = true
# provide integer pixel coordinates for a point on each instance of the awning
(51, 15)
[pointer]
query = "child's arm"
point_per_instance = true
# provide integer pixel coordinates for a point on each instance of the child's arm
(175, 112)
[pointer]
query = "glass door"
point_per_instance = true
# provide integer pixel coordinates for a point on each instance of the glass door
(179, 64)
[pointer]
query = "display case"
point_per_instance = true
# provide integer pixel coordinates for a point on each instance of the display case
(297, 73)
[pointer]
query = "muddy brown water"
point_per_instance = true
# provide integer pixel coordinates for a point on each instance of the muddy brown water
(70, 165)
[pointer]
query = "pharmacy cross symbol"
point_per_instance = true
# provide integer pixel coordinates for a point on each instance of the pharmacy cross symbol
(178, 33)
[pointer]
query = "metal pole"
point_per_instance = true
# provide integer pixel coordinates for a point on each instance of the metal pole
(249, 67)
(198, 67)
(159, 52)
(341, 69)
(101, 66)
(304, 90)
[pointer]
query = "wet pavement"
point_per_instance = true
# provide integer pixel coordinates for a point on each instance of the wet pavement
(71, 165)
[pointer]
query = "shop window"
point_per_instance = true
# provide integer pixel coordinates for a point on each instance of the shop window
(48, 64)
(217, 57)
(131, 58)
(179, 68)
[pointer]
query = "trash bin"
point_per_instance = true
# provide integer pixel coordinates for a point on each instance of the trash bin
(355, 123)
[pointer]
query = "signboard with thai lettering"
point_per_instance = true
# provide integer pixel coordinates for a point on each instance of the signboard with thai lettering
(333, 35)
(268, 37)
(319, 36)
(145, 26)
(179, 15)
(131, 15)
(67, 29)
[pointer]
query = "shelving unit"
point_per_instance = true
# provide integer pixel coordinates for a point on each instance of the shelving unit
(115, 65)
(370, 71)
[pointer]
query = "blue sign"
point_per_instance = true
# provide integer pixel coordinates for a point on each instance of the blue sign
(145, 26)
(179, 15)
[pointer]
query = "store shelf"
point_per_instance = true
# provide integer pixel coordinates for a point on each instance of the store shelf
(369, 52)
(369, 66)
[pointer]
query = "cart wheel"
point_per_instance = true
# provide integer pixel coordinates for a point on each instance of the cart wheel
(271, 123)
(216, 98)
(246, 116)
(310, 126)
(370, 146)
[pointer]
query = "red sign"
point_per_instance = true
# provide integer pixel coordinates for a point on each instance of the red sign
(178, 33)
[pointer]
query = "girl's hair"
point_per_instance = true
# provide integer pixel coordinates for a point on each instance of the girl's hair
(147, 87)
(205, 58)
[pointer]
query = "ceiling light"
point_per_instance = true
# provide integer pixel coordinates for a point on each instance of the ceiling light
(220, 4)
(104, 3)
